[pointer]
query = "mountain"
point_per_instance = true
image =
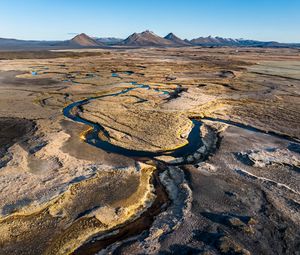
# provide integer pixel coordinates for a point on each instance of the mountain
(109, 40)
(220, 41)
(146, 38)
(272, 44)
(214, 41)
(176, 40)
(83, 40)
(187, 41)
(19, 44)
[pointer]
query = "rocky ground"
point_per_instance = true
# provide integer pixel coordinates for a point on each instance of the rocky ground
(238, 193)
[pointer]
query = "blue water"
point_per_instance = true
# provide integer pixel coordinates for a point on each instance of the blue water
(128, 72)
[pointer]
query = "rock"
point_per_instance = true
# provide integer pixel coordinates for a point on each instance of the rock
(177, 161)
(190, 159)
(165, 158)
(197, 156)
(202, 149)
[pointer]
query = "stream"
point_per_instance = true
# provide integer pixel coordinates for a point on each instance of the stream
(92, 137)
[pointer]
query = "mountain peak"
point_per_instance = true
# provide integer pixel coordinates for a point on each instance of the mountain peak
(84, 40)
(82, 34)
(147, 32)
(170, 35)
(176, 40)
(146, 38)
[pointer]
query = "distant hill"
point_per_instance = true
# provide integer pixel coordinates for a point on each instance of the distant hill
(20, 44)
(79, 41)
(146, 38)
(272, 44)
(176, 40)
(84, 40)
(214, 41)
(220, 41)
(109, 40)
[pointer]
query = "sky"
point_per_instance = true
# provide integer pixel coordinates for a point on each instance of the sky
(267, 20)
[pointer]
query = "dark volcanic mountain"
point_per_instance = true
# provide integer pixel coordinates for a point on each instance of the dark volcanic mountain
(176, 40)
(146, 38)
(83, 40)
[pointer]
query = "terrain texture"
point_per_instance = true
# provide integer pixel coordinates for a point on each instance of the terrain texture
(184, 150)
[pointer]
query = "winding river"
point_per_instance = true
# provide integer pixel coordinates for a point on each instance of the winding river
(92, 137)
(194, 137)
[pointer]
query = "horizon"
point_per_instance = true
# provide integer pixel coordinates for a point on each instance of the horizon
(138, 32)
(55, 20)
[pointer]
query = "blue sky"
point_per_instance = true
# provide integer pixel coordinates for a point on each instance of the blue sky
(277, 20)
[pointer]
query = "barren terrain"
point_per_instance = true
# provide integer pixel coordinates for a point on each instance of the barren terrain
(150, 151)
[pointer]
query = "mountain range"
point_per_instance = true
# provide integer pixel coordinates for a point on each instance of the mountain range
(146, 38)
(143, 39)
